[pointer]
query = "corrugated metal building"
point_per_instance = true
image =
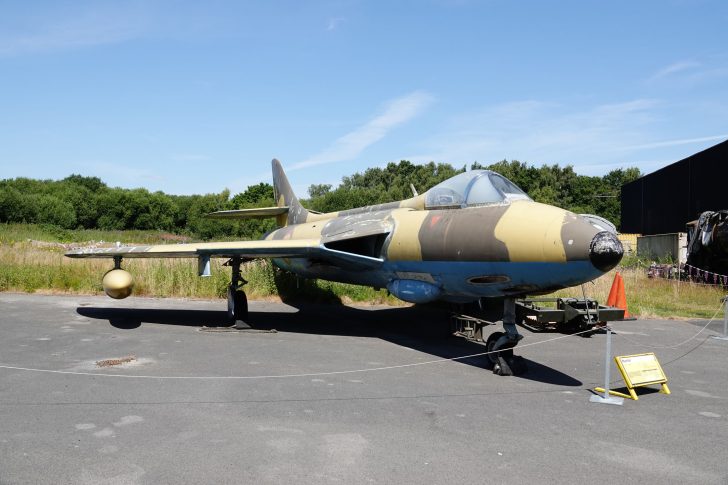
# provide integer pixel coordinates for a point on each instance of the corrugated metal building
(665, 200)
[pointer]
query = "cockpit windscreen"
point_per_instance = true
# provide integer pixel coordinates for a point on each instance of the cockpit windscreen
(477, 187)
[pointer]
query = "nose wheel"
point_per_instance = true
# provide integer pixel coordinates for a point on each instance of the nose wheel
(237, 301)
(501, 344)
(502, 359)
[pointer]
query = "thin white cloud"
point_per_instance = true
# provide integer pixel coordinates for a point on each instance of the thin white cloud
(542, 133)
(709, 74)
(670, 143)
(113, 173)
(54, 31)
(592, 139)
(674, 68)
(189, 157)
(351, 145)
(645, 166)
(333, 23)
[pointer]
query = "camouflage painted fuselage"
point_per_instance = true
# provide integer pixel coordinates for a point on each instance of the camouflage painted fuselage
(474, 235)
(508, 249)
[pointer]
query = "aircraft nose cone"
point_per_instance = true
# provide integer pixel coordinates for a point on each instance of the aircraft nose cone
(605, 251)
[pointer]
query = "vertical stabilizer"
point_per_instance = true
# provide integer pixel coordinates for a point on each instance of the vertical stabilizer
(285, 197)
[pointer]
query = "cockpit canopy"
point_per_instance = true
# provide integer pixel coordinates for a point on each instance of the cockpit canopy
(477, 187)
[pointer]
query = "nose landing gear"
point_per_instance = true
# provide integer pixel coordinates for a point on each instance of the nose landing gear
(502, 343)
(499, 345)
(504, 362)
(237, 302)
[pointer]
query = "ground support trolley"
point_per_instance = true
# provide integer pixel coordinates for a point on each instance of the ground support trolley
(567, 315)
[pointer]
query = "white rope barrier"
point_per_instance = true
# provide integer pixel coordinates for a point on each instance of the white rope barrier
(354, 371)
(678, 344)
(283, 376)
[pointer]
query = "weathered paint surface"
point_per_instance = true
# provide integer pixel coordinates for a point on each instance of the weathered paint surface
(404, 243)
(357, 225)
(462, 234)
(532, 232)
(510, 248)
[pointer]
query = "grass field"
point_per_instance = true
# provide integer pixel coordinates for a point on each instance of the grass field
(31, 260)
(647, 297)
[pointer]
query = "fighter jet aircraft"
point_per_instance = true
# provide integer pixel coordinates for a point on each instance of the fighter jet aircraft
(475, 235)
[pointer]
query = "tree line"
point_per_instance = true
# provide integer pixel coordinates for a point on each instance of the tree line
(87, 202)
(550, 184)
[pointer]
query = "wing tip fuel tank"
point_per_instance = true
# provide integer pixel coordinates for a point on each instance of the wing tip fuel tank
(118, 284)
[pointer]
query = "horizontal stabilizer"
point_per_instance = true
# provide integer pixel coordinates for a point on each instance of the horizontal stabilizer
(255, 213)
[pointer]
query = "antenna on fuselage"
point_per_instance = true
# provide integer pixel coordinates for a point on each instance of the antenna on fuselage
(414, 190)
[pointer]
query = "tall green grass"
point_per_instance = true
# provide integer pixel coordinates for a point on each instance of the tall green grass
(31, 260)
(11, 233)
(655, 297)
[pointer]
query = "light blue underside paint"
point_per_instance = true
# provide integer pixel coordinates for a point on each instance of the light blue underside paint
(414, 291)
(453, 276)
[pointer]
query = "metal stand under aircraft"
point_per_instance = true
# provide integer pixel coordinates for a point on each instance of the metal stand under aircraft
(237, 301)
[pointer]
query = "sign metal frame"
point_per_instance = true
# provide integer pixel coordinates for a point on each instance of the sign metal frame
(639, 370)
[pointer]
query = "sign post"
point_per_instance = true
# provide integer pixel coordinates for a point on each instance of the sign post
(607, 398)
(725, 321)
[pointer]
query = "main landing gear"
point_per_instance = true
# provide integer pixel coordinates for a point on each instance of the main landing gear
(236, 300)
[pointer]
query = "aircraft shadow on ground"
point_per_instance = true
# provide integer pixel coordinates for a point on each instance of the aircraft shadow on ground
(422, 328)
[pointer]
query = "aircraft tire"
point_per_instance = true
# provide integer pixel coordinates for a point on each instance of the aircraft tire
(237, 308)
(490, 343)
(230, 306)
(241, 306)
(503, 363)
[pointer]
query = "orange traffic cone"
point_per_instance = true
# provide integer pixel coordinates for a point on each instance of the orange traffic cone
(622, 298)
(612, 299)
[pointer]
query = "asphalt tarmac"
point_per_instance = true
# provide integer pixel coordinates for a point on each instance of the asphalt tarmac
(217, 407)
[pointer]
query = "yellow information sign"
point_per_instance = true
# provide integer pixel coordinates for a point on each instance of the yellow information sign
(639, 370)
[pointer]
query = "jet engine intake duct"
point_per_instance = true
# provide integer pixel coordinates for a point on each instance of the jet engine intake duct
(414, 291)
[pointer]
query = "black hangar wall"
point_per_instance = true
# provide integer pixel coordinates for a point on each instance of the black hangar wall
(665, 200)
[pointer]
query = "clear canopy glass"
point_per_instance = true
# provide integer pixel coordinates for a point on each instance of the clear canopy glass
(477, 187)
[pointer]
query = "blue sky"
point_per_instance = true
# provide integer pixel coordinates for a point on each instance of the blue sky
(193, 97)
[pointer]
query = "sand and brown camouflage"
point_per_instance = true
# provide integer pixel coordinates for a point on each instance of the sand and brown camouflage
(506, 248)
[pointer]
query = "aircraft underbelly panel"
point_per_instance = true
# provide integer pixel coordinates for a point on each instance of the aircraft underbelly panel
(459, 280)
(463, 279)
(321, 270)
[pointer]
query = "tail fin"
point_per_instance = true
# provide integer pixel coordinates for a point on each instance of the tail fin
(285, 197)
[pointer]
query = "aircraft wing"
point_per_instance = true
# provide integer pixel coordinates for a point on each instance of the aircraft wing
(278, 248)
